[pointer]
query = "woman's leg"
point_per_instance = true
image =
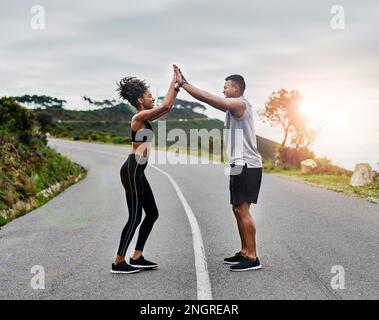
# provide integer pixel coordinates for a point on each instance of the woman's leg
(132, 180)
(151, 211)
(135, 215)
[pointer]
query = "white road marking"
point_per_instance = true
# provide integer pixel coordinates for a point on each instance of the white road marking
(204, 291)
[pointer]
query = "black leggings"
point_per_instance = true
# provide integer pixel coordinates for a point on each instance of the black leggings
(138, 195)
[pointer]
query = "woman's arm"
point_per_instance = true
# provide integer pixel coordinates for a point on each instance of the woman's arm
(166, 106)
(168, 101)
(161, 115)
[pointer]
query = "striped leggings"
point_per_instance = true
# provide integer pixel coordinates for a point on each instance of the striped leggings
(138, 196)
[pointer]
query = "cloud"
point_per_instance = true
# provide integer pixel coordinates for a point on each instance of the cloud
(87, 46)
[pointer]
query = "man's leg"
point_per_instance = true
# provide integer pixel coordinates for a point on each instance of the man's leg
(246, 228)
(243, 242)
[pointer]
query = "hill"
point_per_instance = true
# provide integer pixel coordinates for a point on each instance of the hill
(110, 122)
(106, 110)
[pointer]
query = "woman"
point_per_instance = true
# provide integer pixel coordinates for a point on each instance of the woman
(137, 189)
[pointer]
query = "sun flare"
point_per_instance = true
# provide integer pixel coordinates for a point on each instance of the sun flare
(327, 113)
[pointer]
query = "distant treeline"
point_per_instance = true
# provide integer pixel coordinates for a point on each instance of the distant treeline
(109, 111)
(111, 123)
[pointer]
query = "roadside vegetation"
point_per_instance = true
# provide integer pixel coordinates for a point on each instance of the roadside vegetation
(282, 109)
(31, 173)
(109, 122)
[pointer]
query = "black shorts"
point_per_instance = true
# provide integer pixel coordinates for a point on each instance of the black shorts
(244, 184)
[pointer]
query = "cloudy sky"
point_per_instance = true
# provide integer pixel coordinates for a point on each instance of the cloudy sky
(87, 46)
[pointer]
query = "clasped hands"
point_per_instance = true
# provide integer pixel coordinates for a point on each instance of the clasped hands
(179, 78)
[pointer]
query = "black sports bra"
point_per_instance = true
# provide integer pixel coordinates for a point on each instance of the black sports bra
(146, 134)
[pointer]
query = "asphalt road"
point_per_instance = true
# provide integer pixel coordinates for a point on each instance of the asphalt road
(303, 232)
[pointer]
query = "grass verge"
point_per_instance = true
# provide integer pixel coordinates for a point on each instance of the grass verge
(338, 183)
(30, 175)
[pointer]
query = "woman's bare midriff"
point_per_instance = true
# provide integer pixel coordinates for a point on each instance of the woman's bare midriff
(141, 148)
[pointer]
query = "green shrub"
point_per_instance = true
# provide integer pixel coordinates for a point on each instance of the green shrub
(93, 135)
(29, 186)
(3, 221)
(14, 118)
(291, 157)
(325, 166)
(10, 198)
(119, 140)
(44, 120)
(269, 166)
(27, 164)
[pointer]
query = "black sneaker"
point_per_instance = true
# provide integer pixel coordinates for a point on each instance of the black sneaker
(247, 264)
(142, 263)
(237, 258)
(123, 267)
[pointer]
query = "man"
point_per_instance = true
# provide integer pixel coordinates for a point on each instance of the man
(244, 158)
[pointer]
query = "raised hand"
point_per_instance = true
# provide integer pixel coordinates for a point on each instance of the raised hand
(179, 74)
(174, 76)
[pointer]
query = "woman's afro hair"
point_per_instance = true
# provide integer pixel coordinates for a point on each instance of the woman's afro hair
(131, 88)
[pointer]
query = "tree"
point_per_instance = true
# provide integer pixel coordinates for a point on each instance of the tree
(16, 122)
(184, 109)
(282, 108)
(41, 101)
(44, 120)
(103, 103)
(14, 118)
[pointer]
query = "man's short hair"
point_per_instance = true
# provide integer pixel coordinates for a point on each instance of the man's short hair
(238, 80)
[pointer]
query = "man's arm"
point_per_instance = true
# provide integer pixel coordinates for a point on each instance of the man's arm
(234, 105)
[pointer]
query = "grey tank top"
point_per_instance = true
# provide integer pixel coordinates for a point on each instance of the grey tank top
(240, 141)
